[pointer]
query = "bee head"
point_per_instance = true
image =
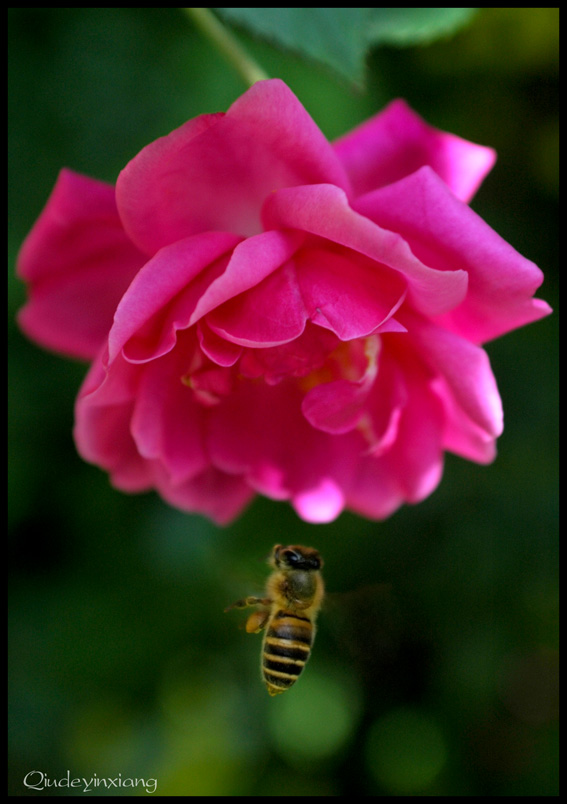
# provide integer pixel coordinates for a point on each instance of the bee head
(296, 557)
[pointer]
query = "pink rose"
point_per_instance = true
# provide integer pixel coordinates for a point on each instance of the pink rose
(270, 313)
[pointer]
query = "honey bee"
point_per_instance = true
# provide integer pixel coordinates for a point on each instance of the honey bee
(294, 593)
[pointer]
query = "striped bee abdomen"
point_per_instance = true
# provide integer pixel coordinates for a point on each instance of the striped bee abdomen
(287, 645)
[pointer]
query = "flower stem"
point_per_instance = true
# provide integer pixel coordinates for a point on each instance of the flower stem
(226, 43)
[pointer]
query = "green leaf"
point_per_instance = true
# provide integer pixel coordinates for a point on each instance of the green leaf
(414, 26)
(339, 38)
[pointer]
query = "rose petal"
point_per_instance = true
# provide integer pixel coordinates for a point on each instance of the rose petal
(413, 465)
(149, 316)
(430, 292)
(444, 234)
(142, 309)
(416, 457)
(167, 421)
(374, 492)
(462, 435)
(102, 426)
(397, 142)
(464, 371)
(217, 495)
(269, 314)
(337, 407)
(347, 293)
(387, 399)
(78, 263)
(216, 348)
(320, 504)
(112, 404)
(298, 358)
(244, 440)
(215, 173)
(404, 474)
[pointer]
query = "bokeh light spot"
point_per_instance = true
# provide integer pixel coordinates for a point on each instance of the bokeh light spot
(405, 751)
(313, 720)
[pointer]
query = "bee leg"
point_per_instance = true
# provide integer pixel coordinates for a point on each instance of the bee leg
(257, 621)
(249, 601)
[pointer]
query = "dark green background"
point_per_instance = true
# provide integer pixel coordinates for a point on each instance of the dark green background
(435, 669)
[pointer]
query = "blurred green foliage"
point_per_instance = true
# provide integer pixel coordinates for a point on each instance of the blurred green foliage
(339, 38)
(435, 667)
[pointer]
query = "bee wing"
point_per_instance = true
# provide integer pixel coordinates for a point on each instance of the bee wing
(364, 624)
